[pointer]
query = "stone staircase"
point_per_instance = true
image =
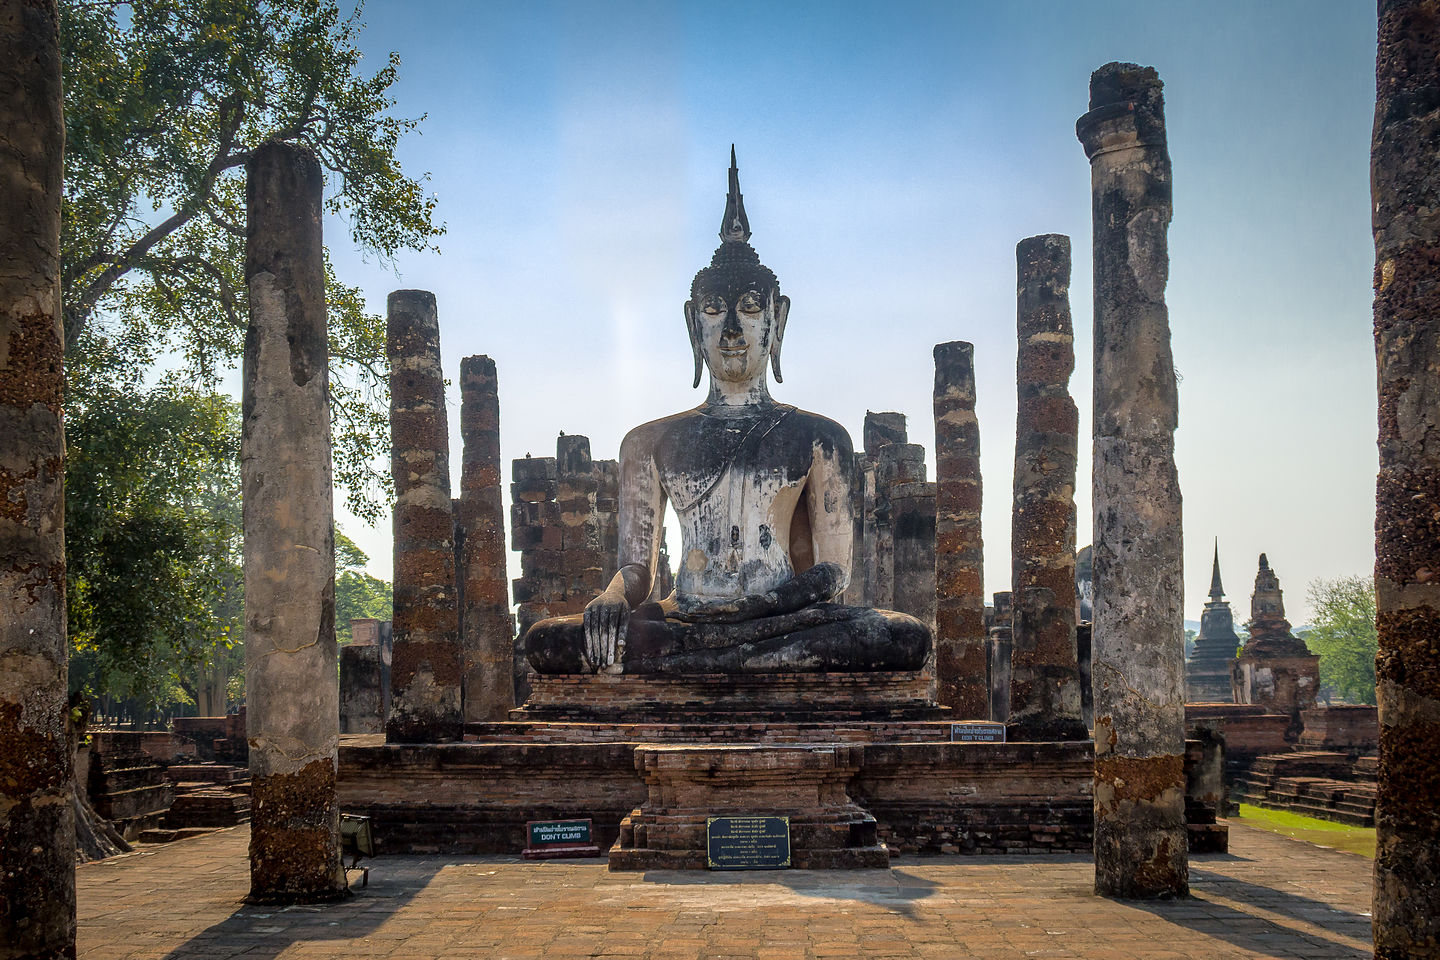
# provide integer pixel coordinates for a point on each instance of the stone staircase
(207, 796)
(125, 784)
(1315, 783)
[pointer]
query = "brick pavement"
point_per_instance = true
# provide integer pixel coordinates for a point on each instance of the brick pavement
(1272, 897)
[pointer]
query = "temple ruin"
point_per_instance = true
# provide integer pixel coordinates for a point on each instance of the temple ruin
(817, 659)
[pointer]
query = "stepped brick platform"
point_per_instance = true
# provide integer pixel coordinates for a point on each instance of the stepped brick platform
(124, 783)
(981, 798)
(210, 807)
(931, 797)
(687, 784)
(770, 731)
(1322, 784)
(797, 697)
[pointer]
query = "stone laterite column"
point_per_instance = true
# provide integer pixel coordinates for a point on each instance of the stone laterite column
(1044, 672)
(535, 533)
(960, 667)
(912, 512)
(427, 669)
(1404, 174)
(292, 688)
(1139, 648)
(997, 652)
(37, 826)
(896, 464)
(487, 628)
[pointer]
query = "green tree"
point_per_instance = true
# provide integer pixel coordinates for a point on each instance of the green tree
(164, 100)
(358, 595)
(1342, 632)
(153, 531)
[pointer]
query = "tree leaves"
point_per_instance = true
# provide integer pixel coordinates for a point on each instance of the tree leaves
(1343, 634)
(164, 100)
(153, 528)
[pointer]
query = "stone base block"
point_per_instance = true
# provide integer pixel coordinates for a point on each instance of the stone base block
(477, 797)
(1209, 837)
(794, 697)
(1353, 729)
(566, 851)
(688, 784)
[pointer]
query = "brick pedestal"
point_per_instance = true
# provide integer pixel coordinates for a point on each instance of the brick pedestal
(685, 785)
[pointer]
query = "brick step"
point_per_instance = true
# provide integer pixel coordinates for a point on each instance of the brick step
(207, 772)
(1351, 818)
(126, 778)
(208, 808)
(137, 802)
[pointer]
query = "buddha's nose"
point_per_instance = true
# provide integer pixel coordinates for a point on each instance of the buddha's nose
(730, 329)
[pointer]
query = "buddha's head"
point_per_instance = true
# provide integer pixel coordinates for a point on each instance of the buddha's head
(735, 314)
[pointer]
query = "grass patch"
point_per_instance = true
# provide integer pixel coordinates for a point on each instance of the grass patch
(1325, 833)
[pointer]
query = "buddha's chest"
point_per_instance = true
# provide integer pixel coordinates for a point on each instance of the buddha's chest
(735, 499)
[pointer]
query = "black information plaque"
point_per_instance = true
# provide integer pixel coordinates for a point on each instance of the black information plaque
(747, 843)
(558, 831)
(977, 731)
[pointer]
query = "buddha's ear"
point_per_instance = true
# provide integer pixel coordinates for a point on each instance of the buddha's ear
(777, 333)
(692, 327)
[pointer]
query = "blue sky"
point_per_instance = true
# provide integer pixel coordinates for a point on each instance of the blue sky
(891, 156)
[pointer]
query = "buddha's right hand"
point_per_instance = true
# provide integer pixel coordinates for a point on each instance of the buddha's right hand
(606, 618)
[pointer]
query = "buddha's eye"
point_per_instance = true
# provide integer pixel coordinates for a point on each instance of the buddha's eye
(750, 303)
(714, 306)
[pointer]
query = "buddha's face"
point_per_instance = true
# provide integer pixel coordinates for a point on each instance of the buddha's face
(735, 328)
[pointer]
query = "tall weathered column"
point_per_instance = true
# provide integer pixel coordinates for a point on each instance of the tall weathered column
(426, 670)
(292, 689)
(37, 826)
(895, 464)
(1139, 646)
(912, 517)
(1044, 671)
(1404, 174)
(960, 667)
(487, 628)
(997, 652)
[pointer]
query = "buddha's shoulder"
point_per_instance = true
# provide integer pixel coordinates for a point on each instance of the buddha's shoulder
(818, 429)
(646, 437)
(694, 426)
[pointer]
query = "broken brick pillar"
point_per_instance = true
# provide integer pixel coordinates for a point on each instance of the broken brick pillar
(427, 668)
(873, 547)
(292, 687)
(487, 630)
(912, 518)
(905, 524)
(578, 481)
(535, 533)
(1139, 647)
(37, 823)
(1044, 671)
(895, 463)
(960, 667)
(1404, 175)
(997, 663)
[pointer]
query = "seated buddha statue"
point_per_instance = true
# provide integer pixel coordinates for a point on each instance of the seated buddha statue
(762, 493)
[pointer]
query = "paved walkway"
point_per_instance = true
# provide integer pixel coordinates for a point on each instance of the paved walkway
(1271, 897)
